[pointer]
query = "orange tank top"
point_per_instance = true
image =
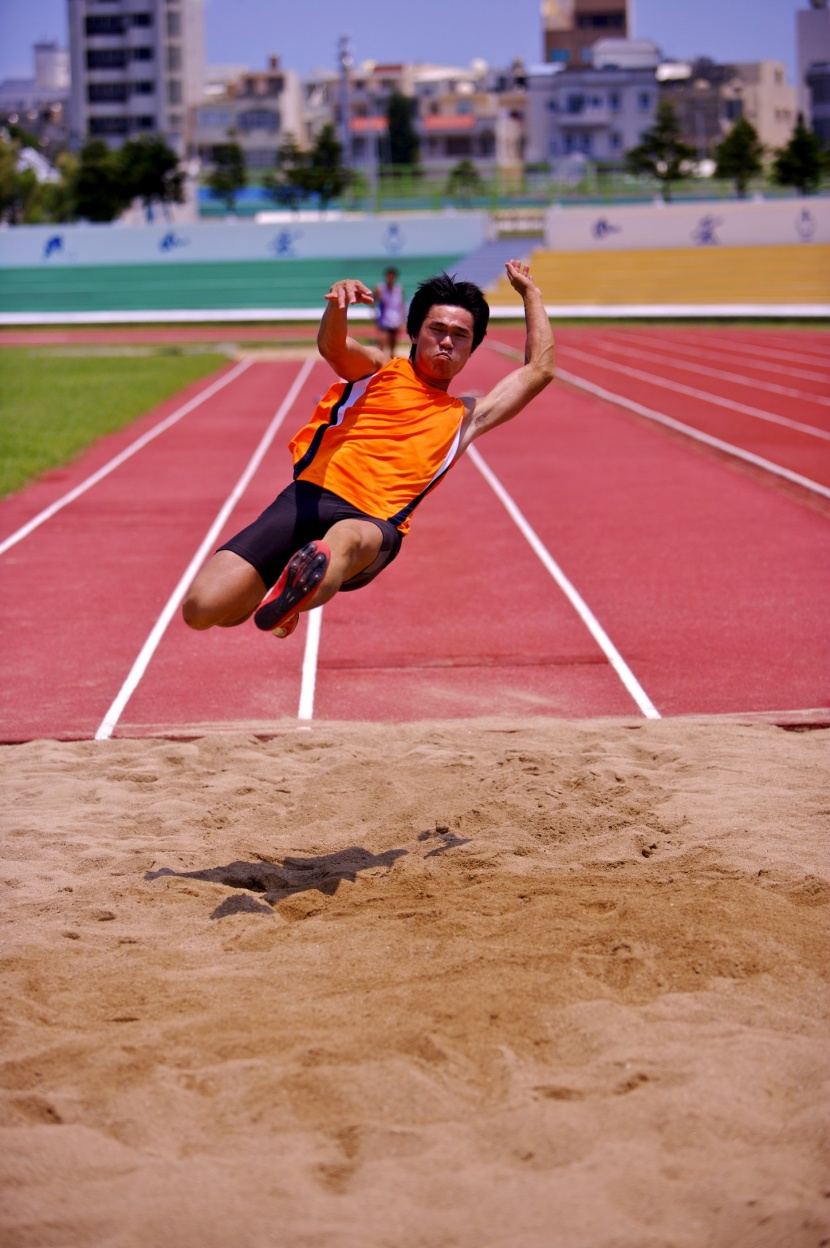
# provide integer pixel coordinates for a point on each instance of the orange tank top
(381, 443)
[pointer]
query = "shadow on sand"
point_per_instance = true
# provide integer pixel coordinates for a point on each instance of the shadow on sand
(274, 882)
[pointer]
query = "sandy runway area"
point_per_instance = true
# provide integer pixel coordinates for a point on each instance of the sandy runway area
(470, 984)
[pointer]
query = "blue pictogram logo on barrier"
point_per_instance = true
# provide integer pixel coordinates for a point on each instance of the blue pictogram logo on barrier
(393, 239)
(602, 228)
(171, 241)
(805, 225)
(53, 246)
(704, 232)
(282, 244)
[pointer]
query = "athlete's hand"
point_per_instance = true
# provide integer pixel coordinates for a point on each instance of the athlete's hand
(519, 277)
(349, 290)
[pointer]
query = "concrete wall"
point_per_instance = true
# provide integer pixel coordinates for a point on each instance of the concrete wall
(50, 246)
(659, 226)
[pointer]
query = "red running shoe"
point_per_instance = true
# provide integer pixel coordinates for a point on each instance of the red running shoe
(298, 583)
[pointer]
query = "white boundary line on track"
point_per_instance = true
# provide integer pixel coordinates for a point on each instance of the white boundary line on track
(721, 355)
(312, 649)
(644, 703)
(661, 419)
(694, 366)
(147, 651)
(124, 455)
(704, 395)
(621, 401)
(571, 311)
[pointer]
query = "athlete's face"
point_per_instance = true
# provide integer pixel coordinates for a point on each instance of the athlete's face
(444, 343)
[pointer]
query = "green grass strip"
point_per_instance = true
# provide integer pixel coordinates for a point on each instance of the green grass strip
(53, 406)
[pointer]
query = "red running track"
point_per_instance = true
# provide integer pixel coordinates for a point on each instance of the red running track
(709, 577)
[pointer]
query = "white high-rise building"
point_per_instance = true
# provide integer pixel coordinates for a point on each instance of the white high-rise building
(812, 33)
(137, 68)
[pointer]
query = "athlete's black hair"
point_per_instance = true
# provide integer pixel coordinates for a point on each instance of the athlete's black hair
(445, 289)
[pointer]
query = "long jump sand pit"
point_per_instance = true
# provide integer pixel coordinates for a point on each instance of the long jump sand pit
(528, 984)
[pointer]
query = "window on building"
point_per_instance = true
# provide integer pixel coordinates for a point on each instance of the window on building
(261, 158)
(259, 119)
(614, 101)
(459, 145)
(644, 101)
(733, 109)
(145, 122)
(174, 58)
(600, 21)
(107, 92)
(106, 58)
(552, 106)
(615, 140)
(174, 24)
(110, 25)
(220, 118)
(142, 19)
(587, 56)
(463, 108)
(174, 91)
(99, 126)
(175, 121)
(575, 103)
(487, 144)
(275, 86)
(560, 55)
(143, 88)
(143, 54)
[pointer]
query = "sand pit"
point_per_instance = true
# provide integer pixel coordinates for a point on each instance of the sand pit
(455, 985)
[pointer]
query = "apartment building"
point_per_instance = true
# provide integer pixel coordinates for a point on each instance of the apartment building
(259, 109)
(709, 98)
(136, 68)
(594, 113)
(571, 27)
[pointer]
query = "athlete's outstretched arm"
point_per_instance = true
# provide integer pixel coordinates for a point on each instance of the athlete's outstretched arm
(515, 391)
(349, 358)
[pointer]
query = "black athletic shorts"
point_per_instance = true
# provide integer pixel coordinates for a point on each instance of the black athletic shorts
(301, 513)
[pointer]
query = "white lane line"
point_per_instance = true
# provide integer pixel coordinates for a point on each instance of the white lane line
(776, 353)
(140, 665)
(688, 430)
(719, 354)
(312, 649)
(576, 600)
(124, 455)
(704, 395)
(753, 383)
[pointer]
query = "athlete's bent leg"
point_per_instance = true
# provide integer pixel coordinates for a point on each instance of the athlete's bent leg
(354, 544)
(226, 592)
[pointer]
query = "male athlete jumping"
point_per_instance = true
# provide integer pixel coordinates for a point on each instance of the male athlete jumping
(378, 442)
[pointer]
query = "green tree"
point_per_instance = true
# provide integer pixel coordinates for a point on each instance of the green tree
(464, 181)
(801, 163)
(282, 184)
(227, 177)
(324, 173)
(150, 170)
(661, 152)
(99, 192)
(404, 144)
(740, 156)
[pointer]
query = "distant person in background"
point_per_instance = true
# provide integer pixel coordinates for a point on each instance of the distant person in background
(389, 310)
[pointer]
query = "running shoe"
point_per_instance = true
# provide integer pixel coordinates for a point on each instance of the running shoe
(287, 627)
(298, 583)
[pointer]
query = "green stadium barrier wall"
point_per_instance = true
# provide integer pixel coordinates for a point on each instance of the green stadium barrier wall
(234, 265)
